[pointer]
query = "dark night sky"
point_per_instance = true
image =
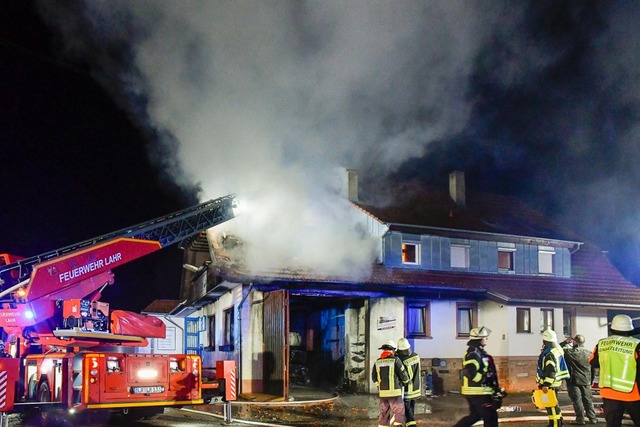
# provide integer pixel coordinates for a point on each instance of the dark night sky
(74, 166)
(538, 99)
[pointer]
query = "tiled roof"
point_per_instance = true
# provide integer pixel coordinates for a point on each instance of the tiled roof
(161, 306)
(485, 213)
(594, 282)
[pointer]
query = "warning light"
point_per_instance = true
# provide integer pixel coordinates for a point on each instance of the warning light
(21, 293)
(28, 314)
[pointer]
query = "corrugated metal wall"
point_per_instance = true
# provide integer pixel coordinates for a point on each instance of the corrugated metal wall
(276, 343)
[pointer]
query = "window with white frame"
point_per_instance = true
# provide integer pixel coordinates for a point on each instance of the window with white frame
(459, 256)
(546, 319)
(467, 318)
(545, 259)
(410, 253)
(417, 319)
(523, 320)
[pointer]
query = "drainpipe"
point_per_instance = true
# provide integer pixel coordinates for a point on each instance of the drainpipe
(240, 337)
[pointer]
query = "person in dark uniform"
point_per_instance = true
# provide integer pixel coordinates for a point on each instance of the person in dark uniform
(552, 369)
(411, 362)
(389, 375)
(579, 384)
(480, 381)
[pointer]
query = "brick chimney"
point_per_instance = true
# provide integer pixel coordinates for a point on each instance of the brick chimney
(352, 185)
(457, 188)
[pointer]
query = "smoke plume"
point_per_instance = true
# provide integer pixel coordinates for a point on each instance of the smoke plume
(269, 99)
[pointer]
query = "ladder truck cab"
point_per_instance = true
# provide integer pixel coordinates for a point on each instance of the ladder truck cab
(66, 352)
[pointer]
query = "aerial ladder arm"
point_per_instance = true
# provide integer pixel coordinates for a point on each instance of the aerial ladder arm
(80, 269)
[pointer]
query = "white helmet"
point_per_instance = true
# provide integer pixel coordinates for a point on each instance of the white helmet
(550, 336)
(622, 323)
(403, 344)
(388, 345)
(481, 332)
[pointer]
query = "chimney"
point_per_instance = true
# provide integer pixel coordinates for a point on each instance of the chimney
(457, 187)
(352, 185)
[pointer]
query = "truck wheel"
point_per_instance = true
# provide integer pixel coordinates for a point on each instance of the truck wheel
(44, 393)
(71, 322)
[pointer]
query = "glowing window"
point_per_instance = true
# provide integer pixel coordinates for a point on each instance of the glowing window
(410, 253)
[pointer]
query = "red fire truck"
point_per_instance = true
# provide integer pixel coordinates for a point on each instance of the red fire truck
(65, 353)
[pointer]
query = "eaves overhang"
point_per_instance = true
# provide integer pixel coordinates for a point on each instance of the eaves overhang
(481, 235)
(501, 298)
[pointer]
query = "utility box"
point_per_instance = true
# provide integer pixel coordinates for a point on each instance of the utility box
(226, 369)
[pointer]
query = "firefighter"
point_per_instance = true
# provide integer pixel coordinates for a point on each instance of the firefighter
(619, 371)
(411, 362)
(390, 376)
(579, 385)
(552, 369)
(480, 381)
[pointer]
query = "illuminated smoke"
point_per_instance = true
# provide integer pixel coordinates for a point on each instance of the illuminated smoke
(268, 99)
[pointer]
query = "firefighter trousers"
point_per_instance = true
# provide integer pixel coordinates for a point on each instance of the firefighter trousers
(391, 407)
(480, 407)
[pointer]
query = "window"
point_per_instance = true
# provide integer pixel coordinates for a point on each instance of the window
(467, 318)
(545, 259)
(567, 322)
(546, 319)
(523, 320)
(227, 333)
(505, 257)
(417, 319)
(459, 256)
(410, 253)
(211, 332)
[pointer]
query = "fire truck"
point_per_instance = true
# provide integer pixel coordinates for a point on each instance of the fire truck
(67, 353)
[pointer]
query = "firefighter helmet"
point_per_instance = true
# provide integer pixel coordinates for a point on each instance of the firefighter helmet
(622, 323)
(550, 336)
(403, 344)
(388, 345)
(478, 333)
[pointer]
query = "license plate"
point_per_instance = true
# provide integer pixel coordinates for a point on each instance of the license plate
(148, 389)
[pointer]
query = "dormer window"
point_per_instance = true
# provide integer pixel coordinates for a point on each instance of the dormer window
(459, 256)
(545, 259)
(410, 253)
(506, 252)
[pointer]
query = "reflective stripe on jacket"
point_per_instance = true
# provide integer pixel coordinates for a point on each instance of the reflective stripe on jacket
(552, 368)
(617, 359)
(413, 387)
(389, 375)
(480, 376)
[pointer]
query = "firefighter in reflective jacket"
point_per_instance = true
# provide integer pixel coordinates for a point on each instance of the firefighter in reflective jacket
(480, 381)
(411, 362)
(618, 359)
(390, 376)
(552, 369)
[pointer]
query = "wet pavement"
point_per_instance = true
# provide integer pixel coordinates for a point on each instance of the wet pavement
(313, 407)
